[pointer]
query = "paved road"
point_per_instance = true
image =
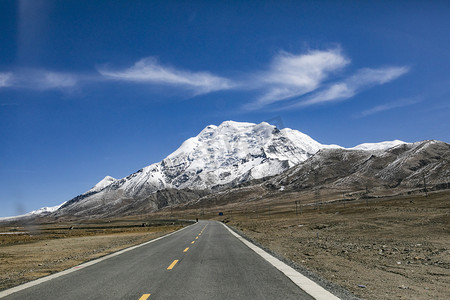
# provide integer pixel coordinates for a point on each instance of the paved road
(203, 261)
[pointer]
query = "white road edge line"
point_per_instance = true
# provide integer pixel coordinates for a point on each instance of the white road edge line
(82, 266)
(306, 284)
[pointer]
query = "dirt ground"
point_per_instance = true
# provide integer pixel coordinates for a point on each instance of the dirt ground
(385, 248)
(44, 250)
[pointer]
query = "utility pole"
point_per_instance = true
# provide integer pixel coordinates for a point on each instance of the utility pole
(317, 190)
(425, 185)
(367, 195)
(343, 198)
(298, 209)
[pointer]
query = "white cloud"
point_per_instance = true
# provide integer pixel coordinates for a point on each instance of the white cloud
(38, 80)
(290, 81)
(5, 79)
(362, 80)
(148, 70)
(295, 75)
(389, 106)
(365, 77)
(53, 80)
(335, 92)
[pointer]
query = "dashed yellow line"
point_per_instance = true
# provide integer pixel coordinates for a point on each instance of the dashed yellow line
(185, 250)
(144, 297)
(196, 237)
(172, 264)
(192, 242)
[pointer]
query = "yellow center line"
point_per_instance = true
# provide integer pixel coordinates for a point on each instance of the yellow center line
(172, 264)
(196, 237)
(144, 297)
(192, 242)
(185, 250)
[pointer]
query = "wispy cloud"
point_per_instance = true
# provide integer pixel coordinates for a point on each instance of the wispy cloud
(348, 88)
(290, 80)
(5, 79)
(38, 80)
(149, 70)
(367, 77)
(54, 80)
(389, 106)
(292, 75)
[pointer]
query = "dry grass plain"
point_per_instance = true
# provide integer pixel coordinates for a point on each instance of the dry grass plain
(49, 248)
(383, 248)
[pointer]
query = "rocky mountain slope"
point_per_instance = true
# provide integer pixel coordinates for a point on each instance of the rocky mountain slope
(402, 167)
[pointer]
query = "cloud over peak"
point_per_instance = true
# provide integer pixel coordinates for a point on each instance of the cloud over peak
(362, 80)
(149, 70)
(292, 75)
(389, 106)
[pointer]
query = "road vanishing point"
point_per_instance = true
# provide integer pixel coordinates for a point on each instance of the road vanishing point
(205, 260)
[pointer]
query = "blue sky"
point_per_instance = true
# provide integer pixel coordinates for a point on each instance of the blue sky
(96, 88)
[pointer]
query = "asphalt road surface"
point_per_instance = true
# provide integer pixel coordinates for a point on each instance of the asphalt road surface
(202, 261)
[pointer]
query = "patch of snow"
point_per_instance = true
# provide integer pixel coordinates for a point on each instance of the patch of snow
(108, 180)
(40, 211)
(377, 146)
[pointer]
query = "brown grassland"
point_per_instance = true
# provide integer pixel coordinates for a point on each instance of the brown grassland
(381, 248)
(49, 248)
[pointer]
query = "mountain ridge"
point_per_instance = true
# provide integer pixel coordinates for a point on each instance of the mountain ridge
(219, 157)
(311, 148)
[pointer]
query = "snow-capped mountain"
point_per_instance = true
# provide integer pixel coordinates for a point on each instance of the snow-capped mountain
(377, 146)
(223, 155)
(102, 184)
(231, 152)
(38, 212)
(218, 157)
(399, 168)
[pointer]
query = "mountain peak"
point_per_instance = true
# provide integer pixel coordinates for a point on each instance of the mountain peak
(235, 124)
(102, 184)
(223, 155)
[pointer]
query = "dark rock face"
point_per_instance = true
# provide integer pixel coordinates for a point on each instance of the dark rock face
(405, 166)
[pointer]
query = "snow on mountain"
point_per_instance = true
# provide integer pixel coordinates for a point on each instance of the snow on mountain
(377, 146)
(227, 154)
(44, 210)
(222, 154)
(102, 184)
(40, 211)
